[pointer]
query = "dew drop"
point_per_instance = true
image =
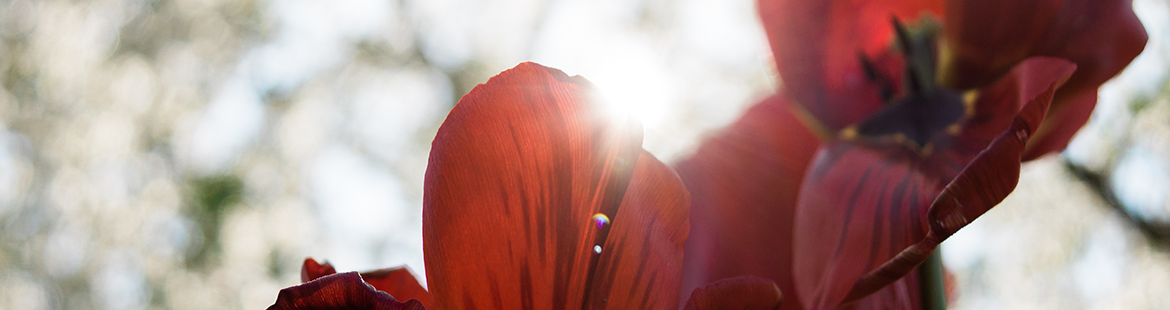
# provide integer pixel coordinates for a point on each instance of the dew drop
(601, 220)
(597, 249)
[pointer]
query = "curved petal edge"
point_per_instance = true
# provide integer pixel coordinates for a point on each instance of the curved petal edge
(339, 291)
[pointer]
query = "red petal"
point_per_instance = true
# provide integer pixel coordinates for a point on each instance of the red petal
(816, 45)
(862, 204)
(339, 291)
(1027, 80)
(744, 182)
(997, 104)
(640, 263)
(517, 172)
(311, 270)
(742, 293)
(986, 38)
(1062, 122)
(398, 282)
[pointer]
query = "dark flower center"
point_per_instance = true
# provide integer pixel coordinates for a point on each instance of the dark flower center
(923, 108)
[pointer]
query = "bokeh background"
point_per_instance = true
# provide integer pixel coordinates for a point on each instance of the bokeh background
(187, 154)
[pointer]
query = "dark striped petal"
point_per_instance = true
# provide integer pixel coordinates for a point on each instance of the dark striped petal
(398, 282)
(816, 46)
(984, 39)
(744, 181)
(518, 173)
(864, 204)
(339, 291)
(859, 207)
(740, 293)
(640, 263)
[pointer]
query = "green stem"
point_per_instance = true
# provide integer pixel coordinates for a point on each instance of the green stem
(934, 296)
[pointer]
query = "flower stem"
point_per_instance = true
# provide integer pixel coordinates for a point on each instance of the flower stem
(930, 274)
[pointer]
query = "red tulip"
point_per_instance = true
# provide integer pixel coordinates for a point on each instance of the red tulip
(534, 199)
(866, 200)
(900, 164)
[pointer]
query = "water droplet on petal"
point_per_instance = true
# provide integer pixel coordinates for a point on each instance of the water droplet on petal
(601, 220)
(597, 249)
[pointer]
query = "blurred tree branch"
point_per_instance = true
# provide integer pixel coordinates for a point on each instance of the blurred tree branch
(1158, 234)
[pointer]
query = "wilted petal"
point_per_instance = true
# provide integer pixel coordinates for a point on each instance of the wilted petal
(864, 204)
(516, 175)
(744, 182)
(816, 46)
(741, 293)
(341, 291)
(398, 282)
(986, 38)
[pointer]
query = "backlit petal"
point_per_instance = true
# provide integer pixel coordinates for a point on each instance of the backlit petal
(516, 175)
(311, 270)
(398, 282)
(744, 182)
(816, 46)
(640, 261)
(863, 204)
(340, 291)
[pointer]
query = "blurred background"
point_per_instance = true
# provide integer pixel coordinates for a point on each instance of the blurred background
(186, 154)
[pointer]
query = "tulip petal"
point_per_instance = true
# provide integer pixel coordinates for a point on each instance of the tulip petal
(816, 46)
(740, 293)
(311, 270)
(744, 182)
(398, 282)
(984, 39)
(640, 263)
(1062, 122)
(340, 291)
(517, 173)
(1027, 80)
(995, 105)
(858, 208)
(864, 204)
